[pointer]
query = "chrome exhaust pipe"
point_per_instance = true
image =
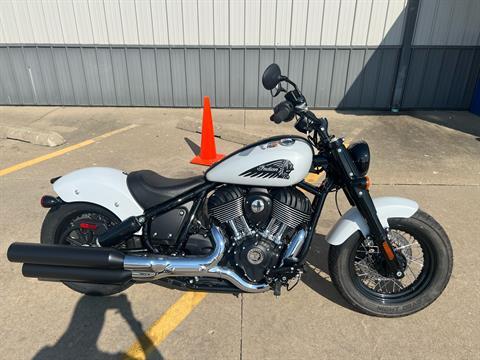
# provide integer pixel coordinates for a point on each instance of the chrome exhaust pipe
(149, 268)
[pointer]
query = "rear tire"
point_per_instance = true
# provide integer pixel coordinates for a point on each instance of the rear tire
(59, 220)
(433, 274)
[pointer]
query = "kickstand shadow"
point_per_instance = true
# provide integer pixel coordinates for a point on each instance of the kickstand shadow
(193, 146)
(80, 339)
(317, 276)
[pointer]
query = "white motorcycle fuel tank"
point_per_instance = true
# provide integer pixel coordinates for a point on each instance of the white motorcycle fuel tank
(272, 162)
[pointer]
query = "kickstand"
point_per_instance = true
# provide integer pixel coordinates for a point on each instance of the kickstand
(277, 289)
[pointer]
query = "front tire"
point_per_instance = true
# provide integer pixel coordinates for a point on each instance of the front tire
(62, 226)
(357, 272)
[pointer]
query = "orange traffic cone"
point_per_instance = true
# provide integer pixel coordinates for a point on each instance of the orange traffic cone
(208, 152)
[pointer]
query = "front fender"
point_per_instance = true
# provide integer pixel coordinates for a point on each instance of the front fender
(99, 185)
(352, 220)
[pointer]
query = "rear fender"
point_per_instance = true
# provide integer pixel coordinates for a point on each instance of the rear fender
(105, 187)
(352, 220)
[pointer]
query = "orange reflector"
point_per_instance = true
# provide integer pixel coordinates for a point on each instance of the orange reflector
(368, 183)
(388, 251)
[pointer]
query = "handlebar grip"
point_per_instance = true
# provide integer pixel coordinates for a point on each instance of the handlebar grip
(283, 112)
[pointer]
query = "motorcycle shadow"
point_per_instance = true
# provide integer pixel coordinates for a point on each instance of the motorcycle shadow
(317, 276)
(80, 339)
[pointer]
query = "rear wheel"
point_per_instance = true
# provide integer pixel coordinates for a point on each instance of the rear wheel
(76, 224)
(359, 271)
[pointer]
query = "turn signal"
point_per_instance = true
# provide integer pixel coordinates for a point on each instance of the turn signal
(368, 183)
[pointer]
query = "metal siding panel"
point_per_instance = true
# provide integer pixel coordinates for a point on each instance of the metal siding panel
(47, 66)
(205, 22)
(144, 25)
(442, 23)
(7, 18)
(472, 30)
(190, 22)
(472, 81)
(150, 84)
(300, 17)
(377, 22)
(282, 22)
(82, 19)
(362, 22)
(63, 76)
(314, 23)
(178, 77)
(99, 22)
(33, 66)
(175, 22)
(114, 22)
(266, 58)
(120, 76)
(282, 58)
(460, 14)
(252, 23)
(207, 73)
(164, 77)
(52, 22)
(450, 58)
(220, 22)
(460, 78)
(159, 16)
(237, 22)
(24, 26)
(345, 22)
(386, 78)
(373, 61)
(222, 85)
(194, 91)
(77, 72)
(129, 22)
(37, 18)
(252, 57)
(267, 22)
(339, 77)
(309, 81)
(425, 22)
(394, 23)
(106, 77)
(295, 67)
(237, 78)
(354, 84)
(330, 20)
(430, 78)
(135, 76)
(91, 76)
(324, 77)
(22, 76)
(67, 20)
(7, 78)
(413, 84)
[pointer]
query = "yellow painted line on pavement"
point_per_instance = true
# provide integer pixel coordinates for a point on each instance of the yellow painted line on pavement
(63, 151)
(161, 328)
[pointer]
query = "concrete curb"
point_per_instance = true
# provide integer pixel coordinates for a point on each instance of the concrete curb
(224, 132)
(34, 136)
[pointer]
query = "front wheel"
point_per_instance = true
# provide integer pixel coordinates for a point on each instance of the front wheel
(359, 271)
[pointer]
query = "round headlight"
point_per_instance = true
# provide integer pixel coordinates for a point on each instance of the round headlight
(360, 153)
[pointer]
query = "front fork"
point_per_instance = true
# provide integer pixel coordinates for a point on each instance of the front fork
(359, 196)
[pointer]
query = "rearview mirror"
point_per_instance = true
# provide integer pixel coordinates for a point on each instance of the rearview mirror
(271, 76)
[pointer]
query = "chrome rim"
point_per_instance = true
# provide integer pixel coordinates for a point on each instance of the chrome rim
(370, 272)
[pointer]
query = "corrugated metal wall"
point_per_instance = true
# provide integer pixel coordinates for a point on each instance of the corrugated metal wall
(344, 53)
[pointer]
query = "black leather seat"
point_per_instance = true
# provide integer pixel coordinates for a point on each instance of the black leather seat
(150, 189)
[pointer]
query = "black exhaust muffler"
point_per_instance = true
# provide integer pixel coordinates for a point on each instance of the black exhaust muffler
(65, 255)
(77, 274)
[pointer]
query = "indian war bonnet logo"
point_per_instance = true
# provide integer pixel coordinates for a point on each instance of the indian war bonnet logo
(279, 169)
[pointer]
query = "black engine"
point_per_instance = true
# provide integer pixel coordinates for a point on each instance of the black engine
(260, 222)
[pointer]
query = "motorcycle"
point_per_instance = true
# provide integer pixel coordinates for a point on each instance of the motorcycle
(246, 225)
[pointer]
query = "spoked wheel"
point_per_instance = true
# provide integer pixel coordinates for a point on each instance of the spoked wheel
(77, 224)
(359, 270)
